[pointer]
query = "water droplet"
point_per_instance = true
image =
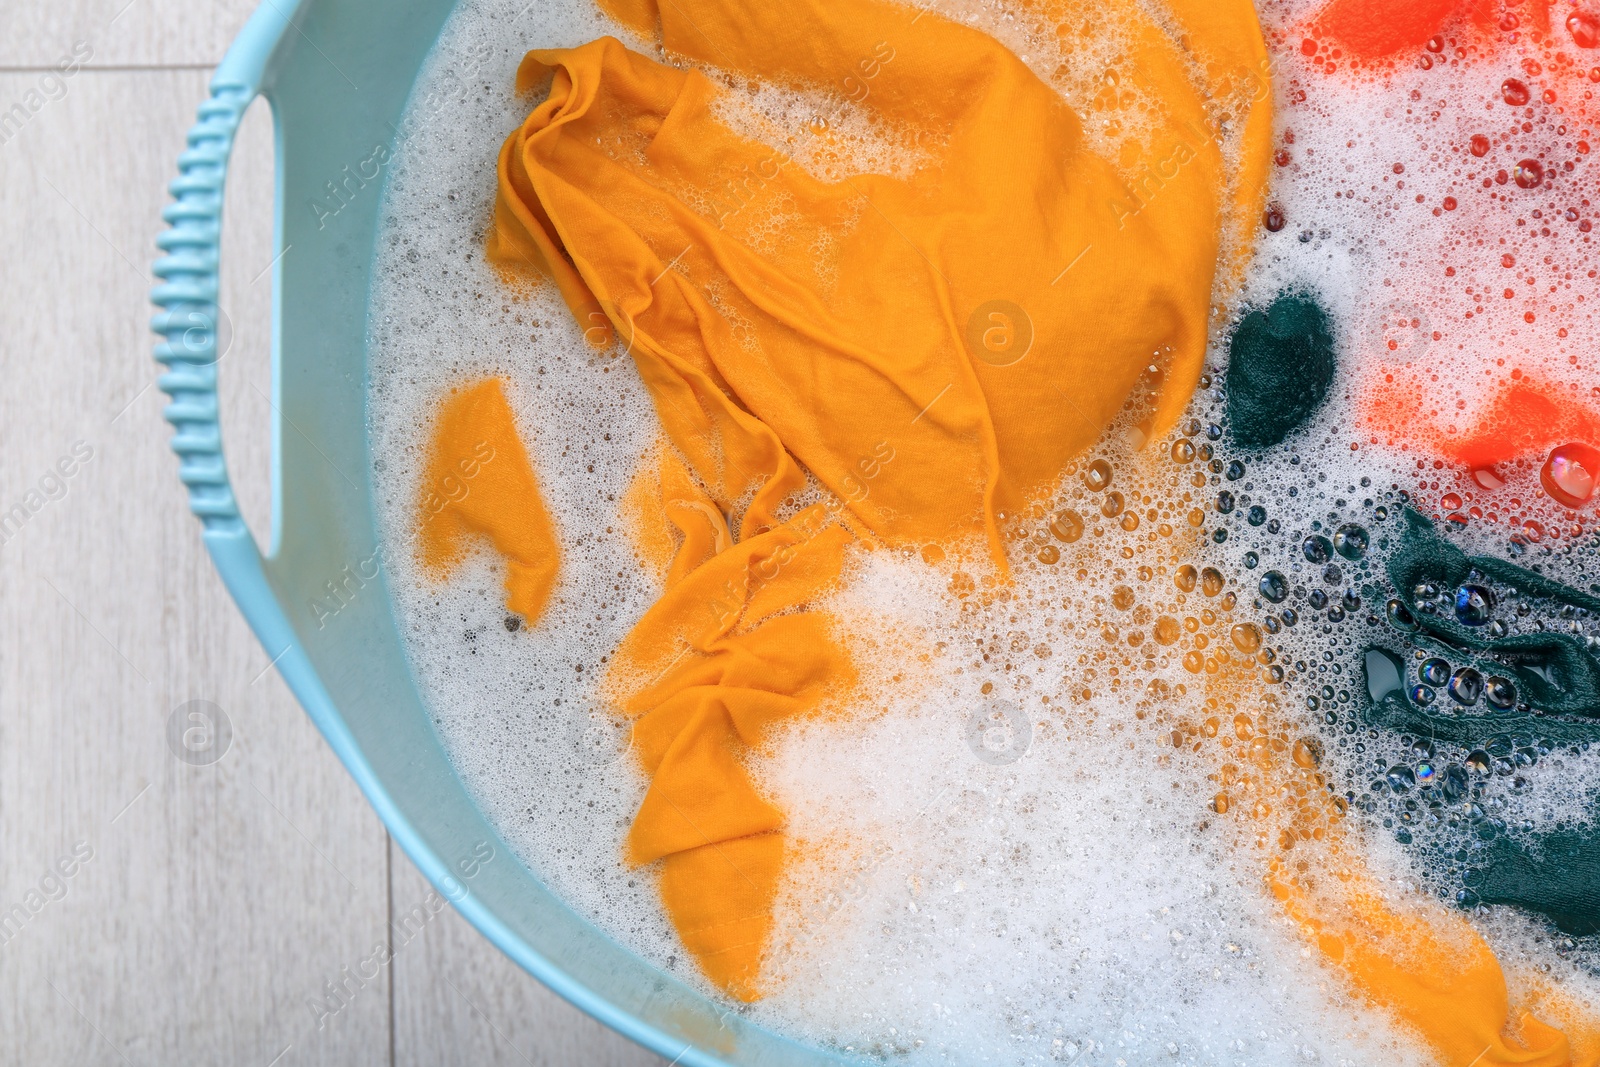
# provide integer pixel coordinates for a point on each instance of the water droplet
(1211, 581)
(1185, 578)
(1422, 696)
(1317, 549)
(1274, 219)
(1499, 692)
(1067, 526)
(1275, 587)
(1182, 451)
(1247, 638)
(1569, 474)
(1479, 145)
(1585, 29)
(1351, 541)
(1256, 515)
(1112, 505)
(1528, 174)
(1466, 686)
(1514, 92)
(1400, 616)
(1474, 605)
(1434, 671)
(1234, 472)
(1450, 502)
(1049, 555)
(1251, 561)
(1098, 476)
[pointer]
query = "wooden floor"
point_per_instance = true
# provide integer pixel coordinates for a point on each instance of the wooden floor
(156, 910)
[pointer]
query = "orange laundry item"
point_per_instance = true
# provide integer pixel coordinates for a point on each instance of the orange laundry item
(479, 484)
(1376, 29)
(1413, 958)
(1526, 418)
(729, 650)
(927, 350)
(1371, 30)
(1433, 971)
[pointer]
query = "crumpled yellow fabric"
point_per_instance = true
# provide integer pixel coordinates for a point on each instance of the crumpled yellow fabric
(1438, 977)
(479, 485)
(924, 351)
(1414, 958)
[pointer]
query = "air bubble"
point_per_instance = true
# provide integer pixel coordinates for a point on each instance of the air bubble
(1351, 541)
(1434, 671)
(1474, 605)
(1466, 686)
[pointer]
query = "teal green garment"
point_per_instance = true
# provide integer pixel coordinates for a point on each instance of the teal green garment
(1553, 672)
(1280, 366)
(1558, 876)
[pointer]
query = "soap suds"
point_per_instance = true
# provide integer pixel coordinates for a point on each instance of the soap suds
(1008, 859)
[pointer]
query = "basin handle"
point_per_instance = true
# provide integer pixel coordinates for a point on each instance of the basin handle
(186, 295)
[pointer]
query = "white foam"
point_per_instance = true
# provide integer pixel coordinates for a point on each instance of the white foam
(1079, 902)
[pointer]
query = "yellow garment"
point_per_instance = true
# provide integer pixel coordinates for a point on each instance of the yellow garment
(773, 357)
(930, 349)
(478, 483)
(1434, 972)
(1425, 964)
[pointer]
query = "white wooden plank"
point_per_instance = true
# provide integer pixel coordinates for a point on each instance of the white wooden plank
(218, 899)
(119, 32)
(459, 1000)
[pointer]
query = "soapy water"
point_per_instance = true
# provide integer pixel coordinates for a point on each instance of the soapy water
(1020, 851)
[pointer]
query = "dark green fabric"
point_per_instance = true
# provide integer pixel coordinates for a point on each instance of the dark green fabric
(1398, 715)
(1559, 879)
(1559, 875)
(1552, 672)
(1280, 365)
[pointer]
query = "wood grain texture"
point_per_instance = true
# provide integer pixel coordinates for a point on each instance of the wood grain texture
(120, 32)
(216, 911)
(220, 896)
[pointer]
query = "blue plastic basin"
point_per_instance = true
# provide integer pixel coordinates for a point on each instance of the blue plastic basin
(338, 74)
